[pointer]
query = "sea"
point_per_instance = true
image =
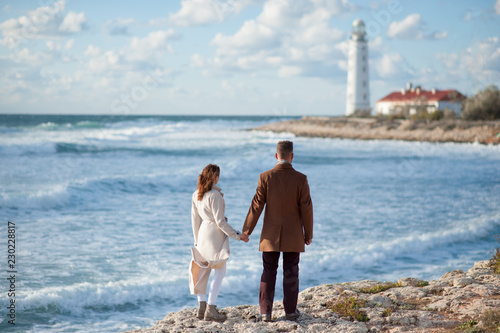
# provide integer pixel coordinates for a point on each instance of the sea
(99, 209)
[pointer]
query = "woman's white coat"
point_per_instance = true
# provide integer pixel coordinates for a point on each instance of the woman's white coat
(210, 231)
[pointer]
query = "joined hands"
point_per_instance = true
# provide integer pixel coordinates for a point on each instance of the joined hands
(244, 237)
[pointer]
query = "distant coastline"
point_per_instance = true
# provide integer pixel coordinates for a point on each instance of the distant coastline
(484, 132)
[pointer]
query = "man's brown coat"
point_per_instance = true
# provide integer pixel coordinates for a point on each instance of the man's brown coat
(288, 218)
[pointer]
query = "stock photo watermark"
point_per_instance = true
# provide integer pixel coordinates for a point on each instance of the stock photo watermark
(137, 94)
(383, 17)
(11, 272)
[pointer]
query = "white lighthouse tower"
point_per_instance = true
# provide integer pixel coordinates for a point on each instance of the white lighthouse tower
(358, 87)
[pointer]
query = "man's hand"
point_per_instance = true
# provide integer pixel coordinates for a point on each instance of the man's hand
(307, 241)
(244, 237)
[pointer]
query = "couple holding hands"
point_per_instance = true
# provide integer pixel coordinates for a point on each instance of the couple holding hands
(287, 228)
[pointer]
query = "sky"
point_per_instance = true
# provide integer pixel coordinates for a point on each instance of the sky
(235, 57)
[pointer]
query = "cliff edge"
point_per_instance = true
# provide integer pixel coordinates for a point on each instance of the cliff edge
(457, 302)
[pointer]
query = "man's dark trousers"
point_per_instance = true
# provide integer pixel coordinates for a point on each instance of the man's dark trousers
(270, 261)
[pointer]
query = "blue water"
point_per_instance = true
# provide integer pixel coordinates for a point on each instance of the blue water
(102, 212)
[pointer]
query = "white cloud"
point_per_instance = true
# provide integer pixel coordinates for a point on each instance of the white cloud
(391, 66)
(153, 46)
(291, 37)
(440, 35)
(92, 51)
(474, 14)
(128, 66)
(51, 45)
(37, 23)
(480, 62)
(73, 22)
(197, 60)
(102, 72)
(409, 28)
(137, 55)
(289, 71)
(99, 62)
(195, 12)
(69, 44)
(252, 36)
(412, 27)
(41, 23)
(317, 29)
(337, 7)
(468, 16)
(237, 91)
(375, 45)
(177, 91)
(104, 62)
(200, 12)
(118, 26)
(34, 59)
(497, 7)
(280, 14)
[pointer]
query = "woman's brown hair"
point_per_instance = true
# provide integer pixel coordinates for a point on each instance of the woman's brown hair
(206, 179)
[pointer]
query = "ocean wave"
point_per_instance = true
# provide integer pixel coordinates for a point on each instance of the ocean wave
(50, 126)
(101, 148)
(86, 191)
(49, 198)
(6, 129)
(37, 148)
(87, 297)
(364, 256)
(89, 124)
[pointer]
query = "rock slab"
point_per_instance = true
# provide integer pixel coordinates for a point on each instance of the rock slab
(410, 305)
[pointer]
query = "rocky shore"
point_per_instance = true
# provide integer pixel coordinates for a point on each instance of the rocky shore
(457, 302)
(485, 132)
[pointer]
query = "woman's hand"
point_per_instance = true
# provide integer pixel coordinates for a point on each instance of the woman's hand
(244, 237)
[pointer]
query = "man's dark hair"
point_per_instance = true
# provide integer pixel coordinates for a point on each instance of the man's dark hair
(284, 149)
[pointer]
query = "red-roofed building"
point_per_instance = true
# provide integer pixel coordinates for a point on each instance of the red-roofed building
(411, 100)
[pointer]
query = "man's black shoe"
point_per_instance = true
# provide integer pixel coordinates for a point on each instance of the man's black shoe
(293, 316)
(267, 317)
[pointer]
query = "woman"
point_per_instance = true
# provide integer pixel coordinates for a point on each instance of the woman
(211, 243)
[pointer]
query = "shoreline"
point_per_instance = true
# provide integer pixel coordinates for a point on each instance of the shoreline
(457, 300)
(447, 130)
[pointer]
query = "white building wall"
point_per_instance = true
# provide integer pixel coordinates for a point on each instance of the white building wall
(389, 108)
(383, 108)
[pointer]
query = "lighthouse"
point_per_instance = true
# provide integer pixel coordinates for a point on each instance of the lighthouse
(358, 87)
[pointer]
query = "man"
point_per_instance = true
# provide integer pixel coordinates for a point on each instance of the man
(288, 225)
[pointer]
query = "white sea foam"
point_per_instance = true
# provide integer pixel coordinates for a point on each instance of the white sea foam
(78, 298)
(375, 252)
(48, 198)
